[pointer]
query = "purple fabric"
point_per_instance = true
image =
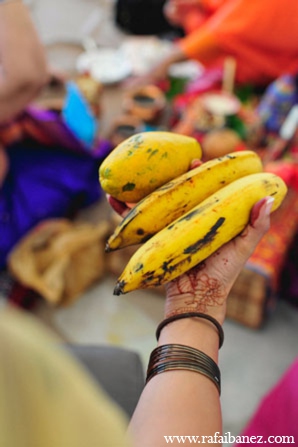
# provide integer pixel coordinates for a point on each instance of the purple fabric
(277, 414)
(43, 183)
(53, 127)
(46, 181)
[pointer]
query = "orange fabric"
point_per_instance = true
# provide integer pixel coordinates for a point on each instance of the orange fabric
(261, 35)
(205, 45)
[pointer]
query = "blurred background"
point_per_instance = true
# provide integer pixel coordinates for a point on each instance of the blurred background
(262, 325)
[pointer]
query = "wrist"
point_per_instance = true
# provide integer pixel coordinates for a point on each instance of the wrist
(216, 312)
(173, 356)
(194, 332)
(196, 291)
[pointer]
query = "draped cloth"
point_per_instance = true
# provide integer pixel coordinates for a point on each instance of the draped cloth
(51, 174)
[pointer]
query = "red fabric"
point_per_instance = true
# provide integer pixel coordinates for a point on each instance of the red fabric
(197, 16)
(261, 35)
(270, 254)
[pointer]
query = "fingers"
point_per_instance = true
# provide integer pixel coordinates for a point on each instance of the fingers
(119, 207)
(258, 226)
(261, 210)
(205, 287)
(195, 163)
(260, 216)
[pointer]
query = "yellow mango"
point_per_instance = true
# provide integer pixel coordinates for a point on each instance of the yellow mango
(146, 161)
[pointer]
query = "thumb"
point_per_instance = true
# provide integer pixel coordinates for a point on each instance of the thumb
(259, 224)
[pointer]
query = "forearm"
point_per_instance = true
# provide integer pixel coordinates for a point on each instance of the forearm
(23, 64)
(180, 402)
(183, 402)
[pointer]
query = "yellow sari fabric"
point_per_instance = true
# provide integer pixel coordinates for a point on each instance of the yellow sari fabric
(46, 398)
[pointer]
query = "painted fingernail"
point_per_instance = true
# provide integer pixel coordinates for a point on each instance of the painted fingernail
(268, 206)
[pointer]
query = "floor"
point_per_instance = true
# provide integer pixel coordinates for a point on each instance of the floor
(251, 361)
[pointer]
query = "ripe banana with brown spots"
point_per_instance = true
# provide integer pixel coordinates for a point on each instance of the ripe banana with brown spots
(178, 196)
(194, 236)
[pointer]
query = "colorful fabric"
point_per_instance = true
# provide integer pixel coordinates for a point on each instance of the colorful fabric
(277, 101)
(50, 175)
(264, 48)
(271, 253)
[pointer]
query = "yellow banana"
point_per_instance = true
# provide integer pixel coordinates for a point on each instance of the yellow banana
(178, 196)
(197, 234)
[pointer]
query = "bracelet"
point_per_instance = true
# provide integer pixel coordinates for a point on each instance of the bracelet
(173, 357)
(189, 315)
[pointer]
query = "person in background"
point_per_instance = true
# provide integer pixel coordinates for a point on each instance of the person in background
(24, 70)
(261, 36)
(42, 174)
(23, 67)
(46, 399)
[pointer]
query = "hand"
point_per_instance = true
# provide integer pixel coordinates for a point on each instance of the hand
(205, 288)
(157, 73)
(119, 207)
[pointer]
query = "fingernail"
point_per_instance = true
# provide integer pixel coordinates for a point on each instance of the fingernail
(268, 207)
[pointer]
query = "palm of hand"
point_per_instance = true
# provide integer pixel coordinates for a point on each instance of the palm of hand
(205, 288)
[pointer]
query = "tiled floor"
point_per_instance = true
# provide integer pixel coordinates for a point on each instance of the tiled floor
(251, 361)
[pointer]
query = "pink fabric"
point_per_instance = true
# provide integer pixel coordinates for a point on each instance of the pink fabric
(277, 414)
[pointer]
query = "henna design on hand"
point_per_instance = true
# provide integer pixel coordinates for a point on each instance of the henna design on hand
(198, 290)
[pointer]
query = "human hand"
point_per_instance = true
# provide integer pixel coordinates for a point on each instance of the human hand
(159, 72)
(205, 288)
(155, 75)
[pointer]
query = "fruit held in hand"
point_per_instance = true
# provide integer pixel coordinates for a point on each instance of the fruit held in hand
(178, 196)
(194, 236)
(146, 161)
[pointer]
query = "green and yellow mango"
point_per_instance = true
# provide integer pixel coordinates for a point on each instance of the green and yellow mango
(146, 161)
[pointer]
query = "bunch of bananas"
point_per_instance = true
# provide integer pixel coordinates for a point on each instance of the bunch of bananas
(189, 217)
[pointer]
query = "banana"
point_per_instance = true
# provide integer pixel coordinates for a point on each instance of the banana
(170, 201)
(197, 234)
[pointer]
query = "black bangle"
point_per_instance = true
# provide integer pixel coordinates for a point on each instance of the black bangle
(190, 315)
(173, 357)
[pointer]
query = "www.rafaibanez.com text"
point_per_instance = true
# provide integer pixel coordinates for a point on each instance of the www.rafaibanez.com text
(228, 438)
